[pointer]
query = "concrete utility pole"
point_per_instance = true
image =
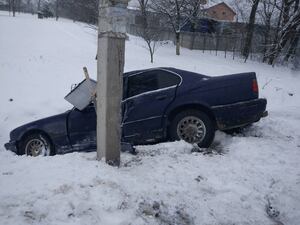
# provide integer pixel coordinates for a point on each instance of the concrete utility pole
(111, 49)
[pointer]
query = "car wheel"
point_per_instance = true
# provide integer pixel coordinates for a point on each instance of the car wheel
(36, 145)
(194, 127)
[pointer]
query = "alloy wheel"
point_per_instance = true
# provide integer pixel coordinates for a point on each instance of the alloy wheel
(191, 129)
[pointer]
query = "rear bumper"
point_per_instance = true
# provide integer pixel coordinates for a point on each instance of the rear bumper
(12, 146)
(265, 114)
(240, 114)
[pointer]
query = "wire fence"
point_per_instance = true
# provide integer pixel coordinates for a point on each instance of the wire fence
(213, 43)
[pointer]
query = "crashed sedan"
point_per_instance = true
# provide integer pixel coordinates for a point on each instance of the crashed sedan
(160, 104)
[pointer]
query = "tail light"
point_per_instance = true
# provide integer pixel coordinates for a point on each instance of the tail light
(254, 86)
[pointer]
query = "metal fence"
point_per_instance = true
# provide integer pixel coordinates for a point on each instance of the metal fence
(214, 42)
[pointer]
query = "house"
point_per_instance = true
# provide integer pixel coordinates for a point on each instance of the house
(221, 12)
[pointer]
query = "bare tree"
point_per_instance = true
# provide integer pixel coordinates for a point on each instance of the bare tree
(74, 6)
(148, 33)
(13, 5)
(287, 28)
(295, 39)
(78, 10)
(177, 13)
(293, 46)
(29, 7)
(196, 9)
(266, 14)
(285, 34)
(19, 3)
(242, 9)
(39, 5)
(296, 60)
(9, 5)
(87, 10)
(250, 29)
(56, 9)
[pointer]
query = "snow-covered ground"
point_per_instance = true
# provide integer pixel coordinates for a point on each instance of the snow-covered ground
(166, 183)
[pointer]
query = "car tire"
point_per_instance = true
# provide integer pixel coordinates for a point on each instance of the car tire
(36, 144)
(194, 127)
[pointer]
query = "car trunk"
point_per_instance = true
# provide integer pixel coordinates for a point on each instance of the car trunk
(228, 89)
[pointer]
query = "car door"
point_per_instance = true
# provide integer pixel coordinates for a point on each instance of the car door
(82, 128)
(147, 96)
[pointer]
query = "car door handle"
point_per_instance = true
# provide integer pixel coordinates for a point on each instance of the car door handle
(161, 97)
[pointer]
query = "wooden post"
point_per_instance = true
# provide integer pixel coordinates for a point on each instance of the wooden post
(226, 38)
(217, 44)
(111, 49)
(234, 44)
(204, 43)
(210, 44)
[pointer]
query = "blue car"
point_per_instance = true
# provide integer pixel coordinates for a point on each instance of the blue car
(160, 104)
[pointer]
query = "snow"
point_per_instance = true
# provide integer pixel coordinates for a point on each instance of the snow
(233, 182)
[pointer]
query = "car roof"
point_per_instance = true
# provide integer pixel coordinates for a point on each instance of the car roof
(182, 73)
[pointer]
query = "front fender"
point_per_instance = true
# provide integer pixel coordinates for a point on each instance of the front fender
(55, 127)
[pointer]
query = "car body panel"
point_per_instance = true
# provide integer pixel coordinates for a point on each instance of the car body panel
(143, 114)
(230, 101)
(54, 127)
(12, 146)
(146, 110)
(239, 114)
(82, 128)
(218, 90)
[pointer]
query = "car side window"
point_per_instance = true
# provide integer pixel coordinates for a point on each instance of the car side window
(150, 81)
(167, 79)
(142, 83)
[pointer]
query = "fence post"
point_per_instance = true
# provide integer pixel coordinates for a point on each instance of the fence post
(217, 44)
(204, 43)
(233, 50)
(225, 46)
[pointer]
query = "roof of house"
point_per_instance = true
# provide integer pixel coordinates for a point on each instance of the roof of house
(222, 3)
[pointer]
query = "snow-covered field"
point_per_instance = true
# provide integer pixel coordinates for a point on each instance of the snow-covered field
(237, 183)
